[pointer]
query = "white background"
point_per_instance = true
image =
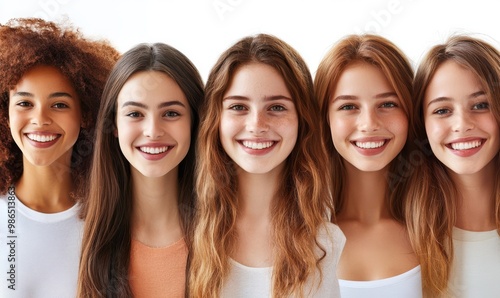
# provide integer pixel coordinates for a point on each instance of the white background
(203, 29)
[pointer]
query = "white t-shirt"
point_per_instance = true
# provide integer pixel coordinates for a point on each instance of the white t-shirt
(39, 252)
(476, 264)
(407, 284)
(248, 282)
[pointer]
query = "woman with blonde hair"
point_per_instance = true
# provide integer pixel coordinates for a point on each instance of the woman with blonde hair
(454, 199)
(363, 86)
(263, 197)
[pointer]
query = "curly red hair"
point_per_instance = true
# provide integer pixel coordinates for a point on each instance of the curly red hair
(25, 43)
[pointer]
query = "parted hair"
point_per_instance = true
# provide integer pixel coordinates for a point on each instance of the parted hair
(395, 66)
(431, 204)
(26, 43)
(302, 200)
(107, 233)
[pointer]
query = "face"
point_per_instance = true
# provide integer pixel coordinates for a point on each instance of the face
(153, 123)
(45, 116)
(462, 131)
(259, 123)
(368, 125)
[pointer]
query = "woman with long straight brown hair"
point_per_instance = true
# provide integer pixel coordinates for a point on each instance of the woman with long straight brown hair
(454, 199)
(263, 198)
(364, 89)
(138, 218)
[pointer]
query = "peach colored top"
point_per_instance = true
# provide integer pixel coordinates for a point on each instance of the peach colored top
(158, 272)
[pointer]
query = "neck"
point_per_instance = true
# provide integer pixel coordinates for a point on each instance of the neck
(365, 196)
(155, 212)
(256, 193)
(476, 200)
(53, 185)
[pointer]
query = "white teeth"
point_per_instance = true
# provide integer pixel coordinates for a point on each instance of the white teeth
(370, 145)
(257, 145)
(153, 150)
(41, 138)
(465, 145)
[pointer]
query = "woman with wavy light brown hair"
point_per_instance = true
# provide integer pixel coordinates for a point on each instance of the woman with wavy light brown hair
(261, 228)
(363, 86)
(455, 195)
(51, 80)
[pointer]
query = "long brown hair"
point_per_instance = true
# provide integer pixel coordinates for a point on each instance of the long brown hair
(431, 203)
(383, 54)
(26, 43)
(302, 198)
(107, 237)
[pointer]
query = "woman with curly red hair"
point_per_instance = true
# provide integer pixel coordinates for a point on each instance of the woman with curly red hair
(51, 79)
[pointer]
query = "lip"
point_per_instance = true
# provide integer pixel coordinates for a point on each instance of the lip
(371, 146)
(154, 151)
(465, 147)
(38, 134)
(257, 146)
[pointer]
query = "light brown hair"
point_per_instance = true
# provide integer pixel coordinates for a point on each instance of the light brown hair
(302, 199)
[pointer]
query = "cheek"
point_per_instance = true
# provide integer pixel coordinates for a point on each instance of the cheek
(434, 131)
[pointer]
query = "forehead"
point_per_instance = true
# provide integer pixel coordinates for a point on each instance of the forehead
(453, 81)
(44, 78)
(151, 86)
(257, 80)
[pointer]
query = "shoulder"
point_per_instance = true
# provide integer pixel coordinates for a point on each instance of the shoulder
(331, 232)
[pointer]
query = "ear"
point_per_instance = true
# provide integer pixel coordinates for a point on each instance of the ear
(115, 132)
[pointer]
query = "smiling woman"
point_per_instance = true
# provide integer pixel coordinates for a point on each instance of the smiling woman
(263, 200)
(141, 202)
(455, 194)
(51, 79)
(364, 89)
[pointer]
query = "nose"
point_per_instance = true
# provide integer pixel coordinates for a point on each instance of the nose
(368, 121)
(41, 117)
(153, 128)
(462, 121)
(257, 122)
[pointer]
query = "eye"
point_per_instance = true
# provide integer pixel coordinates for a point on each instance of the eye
(389, 104)
(442, 111)
(133, 114)
(481, 106)
(24, 104)
(347, 107)
(277, 108)
(60, 105)
(237, 107)
(172, 114)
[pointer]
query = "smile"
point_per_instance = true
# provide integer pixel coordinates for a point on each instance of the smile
(369, 145)
(42, 138)
(154, 150)
(465, 145)
(257, 145)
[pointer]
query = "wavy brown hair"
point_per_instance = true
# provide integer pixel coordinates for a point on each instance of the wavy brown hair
(107, 234)
(383, 54)
(302, 199)
(26, 43)
(431, 203)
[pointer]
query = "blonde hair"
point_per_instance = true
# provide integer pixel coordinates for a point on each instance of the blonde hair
(302, 198)
(431, 196)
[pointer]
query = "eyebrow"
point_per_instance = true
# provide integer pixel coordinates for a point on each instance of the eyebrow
(52, 95)
(378, 96)
(161, 105)
(267, 98)
(445, 98)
